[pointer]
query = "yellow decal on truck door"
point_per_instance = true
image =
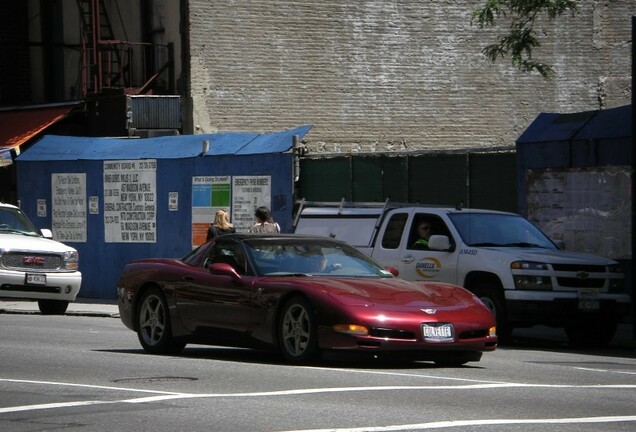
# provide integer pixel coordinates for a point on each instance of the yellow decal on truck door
(428, 267)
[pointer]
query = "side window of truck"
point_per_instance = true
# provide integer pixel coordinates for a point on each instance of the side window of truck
(431, 224)
(394, 229)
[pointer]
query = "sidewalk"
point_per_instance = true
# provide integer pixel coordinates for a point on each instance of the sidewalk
(80, 307)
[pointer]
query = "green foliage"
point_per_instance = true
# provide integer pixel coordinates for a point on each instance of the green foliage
(521, 38)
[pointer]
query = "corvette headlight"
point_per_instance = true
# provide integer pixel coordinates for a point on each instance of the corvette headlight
(351, 329)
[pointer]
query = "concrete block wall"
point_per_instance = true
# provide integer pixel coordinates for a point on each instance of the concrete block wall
(393, 75)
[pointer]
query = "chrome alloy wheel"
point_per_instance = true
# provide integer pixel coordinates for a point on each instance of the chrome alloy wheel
(296, 330)
(152, 320)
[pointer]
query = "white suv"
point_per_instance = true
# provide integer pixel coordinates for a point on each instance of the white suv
(34, 266)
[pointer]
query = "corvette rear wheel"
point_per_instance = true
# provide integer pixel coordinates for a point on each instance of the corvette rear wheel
(298, 341)
(153, 324)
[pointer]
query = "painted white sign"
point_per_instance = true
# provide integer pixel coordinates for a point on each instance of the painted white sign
(173, 201)
(68, 209)
(130, 201)
(93, 205)
(41, 208)
(249, 193)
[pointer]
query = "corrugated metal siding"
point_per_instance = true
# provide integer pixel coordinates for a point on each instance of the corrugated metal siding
(153, 112)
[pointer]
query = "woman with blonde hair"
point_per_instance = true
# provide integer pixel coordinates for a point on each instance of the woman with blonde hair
(220, 226)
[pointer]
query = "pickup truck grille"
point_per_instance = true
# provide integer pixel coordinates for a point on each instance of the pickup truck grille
(25, 261)
(579, 267)
(580, 283)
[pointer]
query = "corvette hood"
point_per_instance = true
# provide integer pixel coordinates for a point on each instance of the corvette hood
(394, 293)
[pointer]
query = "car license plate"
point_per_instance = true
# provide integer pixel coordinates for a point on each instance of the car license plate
(35, 279)
(588, 300)
(438, 332)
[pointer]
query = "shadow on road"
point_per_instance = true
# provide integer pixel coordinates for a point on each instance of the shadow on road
(554, 340)
(246, 355)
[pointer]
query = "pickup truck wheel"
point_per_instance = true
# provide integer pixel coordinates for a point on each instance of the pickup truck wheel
(591, 334)
(493, 300)
(52, 307)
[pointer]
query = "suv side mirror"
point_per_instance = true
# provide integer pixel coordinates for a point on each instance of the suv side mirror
(439, 243)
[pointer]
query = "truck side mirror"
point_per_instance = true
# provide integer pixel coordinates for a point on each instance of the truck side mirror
(560, 244)
(439, 243)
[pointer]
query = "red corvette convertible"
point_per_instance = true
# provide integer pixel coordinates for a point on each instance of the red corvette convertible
(302, 296)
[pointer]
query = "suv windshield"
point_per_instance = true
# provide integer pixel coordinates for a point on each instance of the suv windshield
(491, 229)
(14, 221)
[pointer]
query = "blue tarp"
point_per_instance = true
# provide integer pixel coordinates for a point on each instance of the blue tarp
(66, 148)
(178, 161)
(598, 125)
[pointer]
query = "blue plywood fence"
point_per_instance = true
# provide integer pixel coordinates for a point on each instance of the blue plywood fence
(101, 262)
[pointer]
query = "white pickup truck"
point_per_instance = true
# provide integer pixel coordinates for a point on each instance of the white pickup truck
(516, 270)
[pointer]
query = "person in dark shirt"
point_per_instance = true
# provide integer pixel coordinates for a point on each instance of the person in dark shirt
(220, 226)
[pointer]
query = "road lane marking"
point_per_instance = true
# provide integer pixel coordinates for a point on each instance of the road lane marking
(605, 371)
(160, 396)
(402, 374)
(86, 386)
(485, 422)
(50, 406)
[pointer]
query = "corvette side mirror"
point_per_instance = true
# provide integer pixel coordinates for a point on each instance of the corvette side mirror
(392, 270)
(224, 269)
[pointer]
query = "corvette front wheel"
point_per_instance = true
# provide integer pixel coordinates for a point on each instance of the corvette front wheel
(298, 340)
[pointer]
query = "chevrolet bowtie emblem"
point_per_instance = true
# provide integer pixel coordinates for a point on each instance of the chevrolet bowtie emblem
(429, 311)
(582, 275)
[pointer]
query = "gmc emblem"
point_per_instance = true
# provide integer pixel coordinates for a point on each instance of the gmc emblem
(32, 260)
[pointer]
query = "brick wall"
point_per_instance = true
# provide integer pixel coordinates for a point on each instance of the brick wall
(403, 75)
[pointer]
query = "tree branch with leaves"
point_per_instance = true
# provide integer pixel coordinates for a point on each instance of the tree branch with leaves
(522, 38)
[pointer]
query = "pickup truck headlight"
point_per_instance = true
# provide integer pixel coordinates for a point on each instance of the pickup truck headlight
(617, 279)
(71, 260)
(533, 282)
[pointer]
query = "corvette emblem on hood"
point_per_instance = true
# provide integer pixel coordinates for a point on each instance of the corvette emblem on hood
(429, 311)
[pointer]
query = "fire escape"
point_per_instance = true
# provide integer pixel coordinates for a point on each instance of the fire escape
(108, 63)
(129, 86)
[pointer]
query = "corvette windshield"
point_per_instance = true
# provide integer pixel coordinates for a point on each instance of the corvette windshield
(315, 258)
(492, 229)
